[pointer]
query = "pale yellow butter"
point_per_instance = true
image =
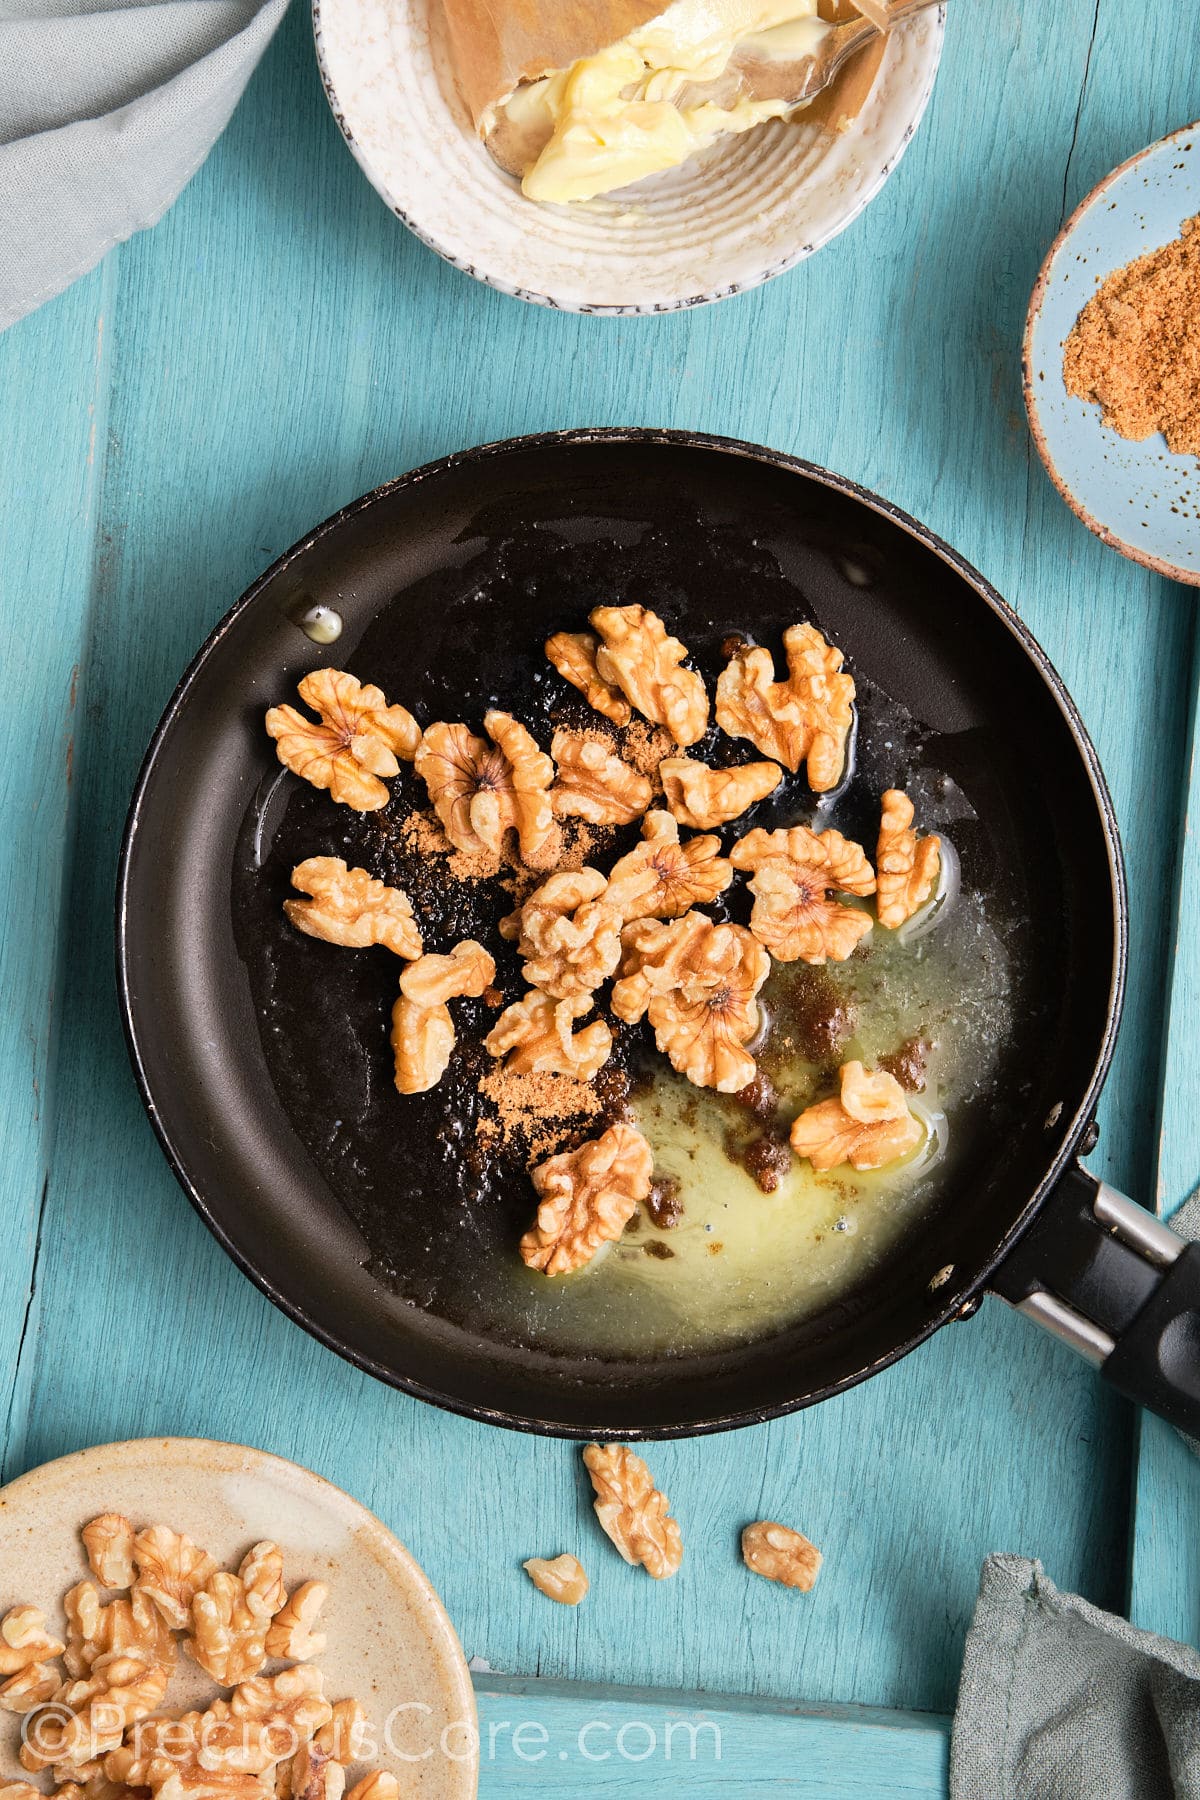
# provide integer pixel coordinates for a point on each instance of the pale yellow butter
(616, 117)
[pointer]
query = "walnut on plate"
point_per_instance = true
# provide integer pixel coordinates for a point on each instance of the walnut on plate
(906, 866)
(315, 1775)
(133, 1626)
(573, 654)
(594, 783)
(351, 907)
(867, 1125)
(380, 1784)
(560, 1578)
(292, 1635)
(481, 791)
(780, 1554)
(636, 655)
(662, 878)
(587, 1197)
(423, 1034)
(25, 1640)
(359, 738)
(702, 797)
(536, 1036)
(569, 935)
(632, 1511)
(231, 1615)
(806, 718)
(797, 874)
(344, 1736)
(697, 983)
(108, 1541)
(88, 1718)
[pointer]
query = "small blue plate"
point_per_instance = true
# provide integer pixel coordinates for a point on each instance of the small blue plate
(1139, 498)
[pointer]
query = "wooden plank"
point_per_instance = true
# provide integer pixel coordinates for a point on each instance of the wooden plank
(279, 345)
(1165, 1551)
(565, 1739)
(54, 377)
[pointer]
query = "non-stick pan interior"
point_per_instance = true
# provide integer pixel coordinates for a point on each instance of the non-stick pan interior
(447, 583)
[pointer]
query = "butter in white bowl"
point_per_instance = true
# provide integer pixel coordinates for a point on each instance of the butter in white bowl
(644, 103)
(643, 201)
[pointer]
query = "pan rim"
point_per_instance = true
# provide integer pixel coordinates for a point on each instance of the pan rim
(960, 1301)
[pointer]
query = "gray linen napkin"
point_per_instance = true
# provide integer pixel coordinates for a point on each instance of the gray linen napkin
(105, 114)
(1060, 1701)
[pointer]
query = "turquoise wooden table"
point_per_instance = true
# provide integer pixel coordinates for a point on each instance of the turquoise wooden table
(278, 345)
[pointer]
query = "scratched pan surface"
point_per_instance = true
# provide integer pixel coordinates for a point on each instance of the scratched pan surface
(263, 1057)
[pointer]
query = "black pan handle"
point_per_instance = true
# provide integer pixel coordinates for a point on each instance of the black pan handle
(1119, 1286)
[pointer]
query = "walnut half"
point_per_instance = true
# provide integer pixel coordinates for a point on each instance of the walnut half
(358, 739)
(703, 797)
(632, 1511)
(806, 718)
(423, 1035)
(569, 935)
(481, 790)
(662, 878)
(780, 1554)
(868, 1125)
(906, 866)
(587, 1198)
(637, 656)
(536, 1036)
(350, 907)
(594, 783)
(697, 982)
(797, 874)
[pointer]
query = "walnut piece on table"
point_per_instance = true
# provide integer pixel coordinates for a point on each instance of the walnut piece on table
(703, 797)
(350, 907)
(536, 1035)
(560, 1578)
(573, 654)
(637, 656)
(594, 783)
(292, 1634)
(796, 874)
(806, 718)
(170, 1571)
(568, 934)
(697, 983)
(868, 1125)
(483, 790)
(780, 1554)
(587, 1197)
(906, 866)
(661, 877)
(133, 1625)
(632, 1510)
(358, 740)
(108, 1541)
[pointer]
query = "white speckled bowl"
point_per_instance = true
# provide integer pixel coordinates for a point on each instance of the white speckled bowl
(390, 1645)
(740, 212)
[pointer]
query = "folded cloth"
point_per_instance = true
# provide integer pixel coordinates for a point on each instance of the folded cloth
(1060, 1701)
(105, 114)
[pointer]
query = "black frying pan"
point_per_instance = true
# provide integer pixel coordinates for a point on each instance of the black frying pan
(447, 582)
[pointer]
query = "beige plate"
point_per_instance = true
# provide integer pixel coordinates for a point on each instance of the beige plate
(391, 1645)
